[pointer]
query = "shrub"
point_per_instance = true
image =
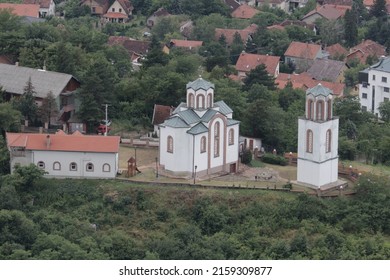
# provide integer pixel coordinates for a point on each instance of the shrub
(246, 156)
(274, 159)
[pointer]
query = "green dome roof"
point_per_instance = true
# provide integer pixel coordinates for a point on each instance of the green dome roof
(200, 84)
(319, 90)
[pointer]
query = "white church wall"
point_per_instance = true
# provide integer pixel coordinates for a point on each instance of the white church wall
(232, 150)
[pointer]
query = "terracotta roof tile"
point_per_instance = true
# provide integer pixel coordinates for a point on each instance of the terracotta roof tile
(186, 43)
(23, 10)
(131, 45)
(161, 113)
(304, 81)
(365, 49)
(61, 142)
(303, 50)
(41, 3)
(115, 15)
(329, 11)
(336, 50)
(229, 33)
(247, 61)
(244, 11)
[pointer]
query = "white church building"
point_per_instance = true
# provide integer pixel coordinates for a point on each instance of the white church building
(200, 137)
(318, 133)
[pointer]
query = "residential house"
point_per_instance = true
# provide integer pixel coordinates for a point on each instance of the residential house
(186, 28)
(247, 62)
(250, 143)
(280, 4)
(302, 55)
(327, 11)
(119, 11)
(154, 18)
(309, 26)
(160, 114)
(336, 51)
(13, 80)
(304, 81)
(22, 10)
(200, 137)
(232, 4)
(245, 34)
(295, 4)
(369, 3)
(98, 7)
(374, 85)
(244, 12)
(137, 49)
(328, 70)
(46, 7)
(66, 156)
(366, 51)
(183, 44)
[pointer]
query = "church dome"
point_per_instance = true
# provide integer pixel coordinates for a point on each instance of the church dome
(319, 90)
(200, 84)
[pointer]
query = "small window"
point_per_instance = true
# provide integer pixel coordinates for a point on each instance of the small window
(170, 144)
(203, 144)
(89, 167)
(93, 9)
(328, 145)
(364, 84)
(120, 10)
(373, 77)
(73, 166)
(56, 166)
(386, 89)
(309, 141)
(113, 9)
(231, 136)
(384, 79)
(364, 95)
(41, 165)
(106, 167)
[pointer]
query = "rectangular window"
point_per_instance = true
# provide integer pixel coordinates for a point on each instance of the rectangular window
(364, 84)
(364, 95)
(386, 89)
(373, 77)
(384, 79)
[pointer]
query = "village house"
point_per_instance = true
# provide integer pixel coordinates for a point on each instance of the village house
(22, 10)
(244, 12)
(327, 11)
(374, 85)
(328, 70)
(336, 51)
(245, 34)
(14, 78)
(182, 44)
(119, 11)
(366, 51)
(280, 4)
(247, 62)
(160, 114)
(232, 4)
(302, 55)
(46, 7)
(156, 16)
(98, 7)
(200, 137)
(66, 156)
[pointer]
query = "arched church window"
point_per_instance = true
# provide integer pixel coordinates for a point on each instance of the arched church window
(320, 110)
(216, 139)
(200, 102)
(309, 141)
(328, 144)
(329, 109)
(209, 100)
(310, 109)
(191, 100)
(170, 144)
(203, 144)
(231, 136)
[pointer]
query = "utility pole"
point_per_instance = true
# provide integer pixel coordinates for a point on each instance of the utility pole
(106, 123)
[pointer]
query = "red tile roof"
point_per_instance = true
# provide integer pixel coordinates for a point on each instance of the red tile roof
(41, 3)
(127, 6)
(229, 33)
(186, 43)
(329, 11)
(63, 142)
(161, 113)
(303, 50)
(304, 81)
(131, 45)
(365, 49)
(23, 10)
(336, 50)
(115, 15)
(247, 61)
(244, 11)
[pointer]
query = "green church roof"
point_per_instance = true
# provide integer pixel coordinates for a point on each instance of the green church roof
(200, 84)
(319, 90)
(197, 129)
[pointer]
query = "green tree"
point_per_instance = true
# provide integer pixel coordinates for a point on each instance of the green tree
(9, 118)
(216, 55)
(378, 10)
(49, 108)
(260, 76)
(384, 110)
(236, 48)
(26, 103)
(155, 54)
(350, 27)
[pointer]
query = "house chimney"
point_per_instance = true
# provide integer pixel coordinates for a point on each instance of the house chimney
(48, 141)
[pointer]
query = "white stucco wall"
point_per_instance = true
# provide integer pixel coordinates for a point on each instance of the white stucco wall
(81, 159)
(232, 150)
(117, 8)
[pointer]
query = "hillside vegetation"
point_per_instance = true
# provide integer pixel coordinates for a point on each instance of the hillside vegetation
(101, 219)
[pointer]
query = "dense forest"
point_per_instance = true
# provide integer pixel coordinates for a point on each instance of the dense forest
(88, 219)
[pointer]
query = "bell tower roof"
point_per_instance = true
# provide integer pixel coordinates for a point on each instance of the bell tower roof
(200, 84)
(319, 90)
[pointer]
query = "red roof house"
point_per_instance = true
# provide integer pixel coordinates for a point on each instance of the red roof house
(302, 55)
(327, 11)
(22, 10)
(247, 61)
(245, 12)
(365, 50)
(336, 51)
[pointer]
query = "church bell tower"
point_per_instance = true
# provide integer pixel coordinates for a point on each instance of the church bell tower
(318, 133)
